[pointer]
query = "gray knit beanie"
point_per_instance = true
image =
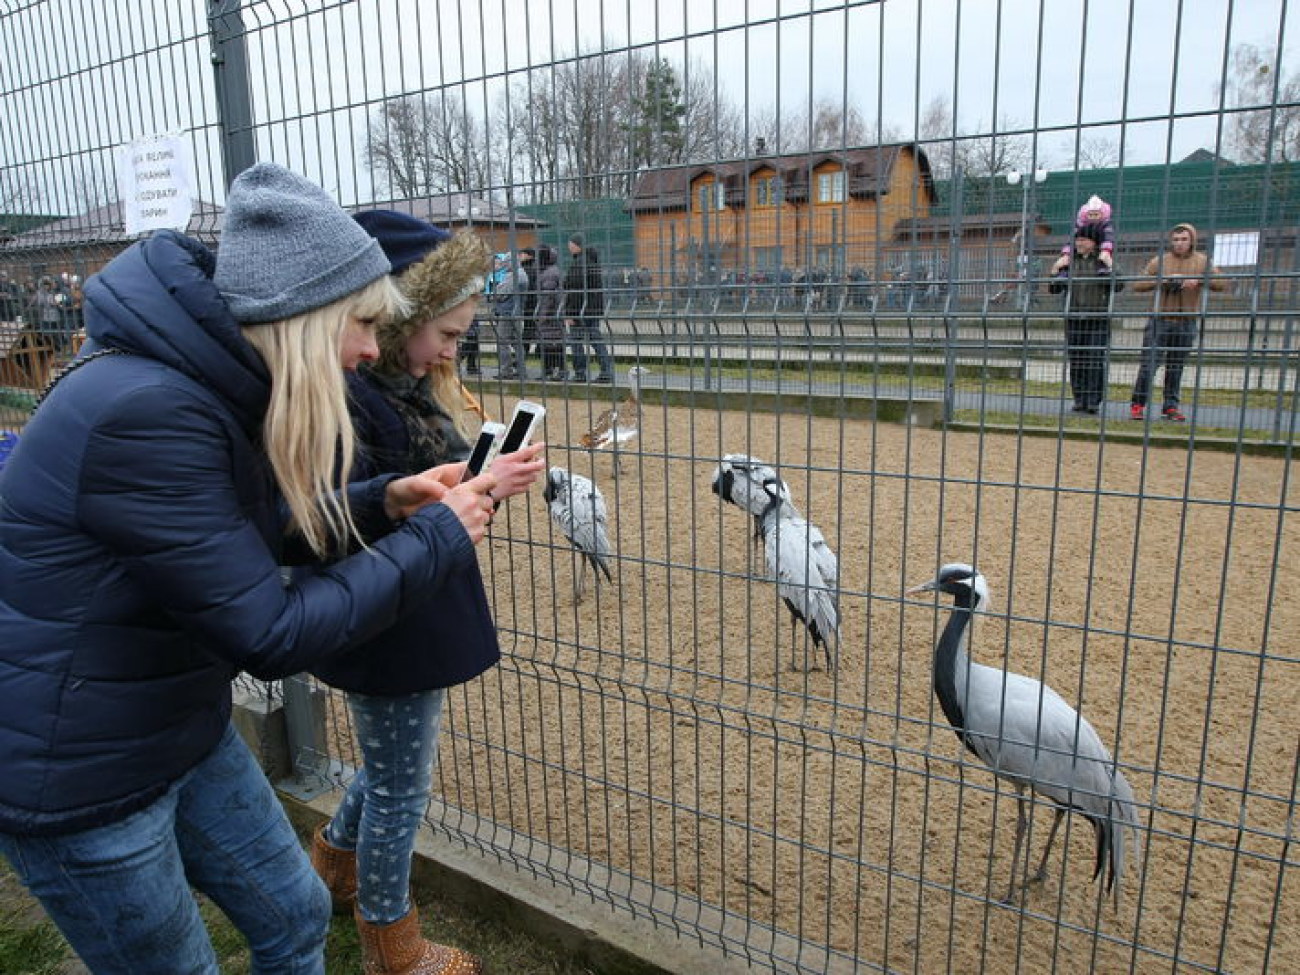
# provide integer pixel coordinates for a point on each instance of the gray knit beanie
(287, 248)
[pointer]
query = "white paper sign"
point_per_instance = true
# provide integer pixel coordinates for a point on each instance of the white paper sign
(1236, 250)
(155, 177)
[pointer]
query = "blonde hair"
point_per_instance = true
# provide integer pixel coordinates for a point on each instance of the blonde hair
(307, 431)
(446, 390)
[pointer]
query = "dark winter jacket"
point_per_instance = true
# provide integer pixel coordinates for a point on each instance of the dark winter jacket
(550, 297)
(140, 537)
(449, 638)
(584, 287)
(1087, 289)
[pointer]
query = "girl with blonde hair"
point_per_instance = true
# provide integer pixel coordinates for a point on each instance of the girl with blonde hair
(410, 413)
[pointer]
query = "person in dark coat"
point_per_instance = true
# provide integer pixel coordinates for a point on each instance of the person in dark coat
(144, 516)
(1089, 285)
(408, 410)
(528, 303)
(550, 305)
(584, 310)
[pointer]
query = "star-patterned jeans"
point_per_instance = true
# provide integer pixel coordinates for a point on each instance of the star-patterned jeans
(121, 893)
(386, 800)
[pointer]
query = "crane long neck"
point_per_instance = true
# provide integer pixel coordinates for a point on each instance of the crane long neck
(951, 659)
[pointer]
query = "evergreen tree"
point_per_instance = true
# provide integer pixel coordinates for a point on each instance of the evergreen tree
(655, 126)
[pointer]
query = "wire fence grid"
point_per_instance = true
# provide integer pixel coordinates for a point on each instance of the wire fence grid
(828, 229)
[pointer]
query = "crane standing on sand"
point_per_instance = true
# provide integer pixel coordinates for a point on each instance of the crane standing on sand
(578, 509)
(1026, 734)
(805, 568)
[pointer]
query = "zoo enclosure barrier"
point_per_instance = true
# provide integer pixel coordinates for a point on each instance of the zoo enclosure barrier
(671, 745)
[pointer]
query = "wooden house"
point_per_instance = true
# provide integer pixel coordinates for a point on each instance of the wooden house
(831, 211)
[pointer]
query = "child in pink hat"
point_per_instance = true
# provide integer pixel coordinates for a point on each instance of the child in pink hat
(1094, 220)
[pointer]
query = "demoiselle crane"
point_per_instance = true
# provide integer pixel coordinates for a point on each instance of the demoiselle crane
(578, 509)
(807, 578)
(805, 568)
(1029, 736)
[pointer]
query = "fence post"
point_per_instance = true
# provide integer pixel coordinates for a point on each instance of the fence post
(234, 95)
(949, 321)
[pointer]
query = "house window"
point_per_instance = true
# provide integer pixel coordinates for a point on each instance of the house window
(830, 187)
(767, 191)
(711, 196)
(767, 258)
(829, 257)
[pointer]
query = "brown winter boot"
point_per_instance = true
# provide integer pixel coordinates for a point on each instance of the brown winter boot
(338, 868)
(400, 949)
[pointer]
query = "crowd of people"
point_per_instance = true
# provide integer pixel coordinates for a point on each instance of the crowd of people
(556, 314)
(49, 306)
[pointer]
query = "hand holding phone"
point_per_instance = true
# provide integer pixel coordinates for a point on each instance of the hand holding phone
(489, 439)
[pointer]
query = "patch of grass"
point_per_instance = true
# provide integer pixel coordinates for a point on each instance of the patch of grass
(30, 944)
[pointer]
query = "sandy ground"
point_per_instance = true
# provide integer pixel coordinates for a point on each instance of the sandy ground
(1148, 587)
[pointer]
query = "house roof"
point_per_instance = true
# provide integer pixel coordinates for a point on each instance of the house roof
(104, 225)
(455, 208)
(869, 168)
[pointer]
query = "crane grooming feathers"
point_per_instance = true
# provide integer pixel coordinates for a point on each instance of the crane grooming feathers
(798, 557)
(578, 510)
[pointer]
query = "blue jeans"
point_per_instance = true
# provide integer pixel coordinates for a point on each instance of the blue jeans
(1170, 339)
(121, 893)
(585, 332)
(386, 800)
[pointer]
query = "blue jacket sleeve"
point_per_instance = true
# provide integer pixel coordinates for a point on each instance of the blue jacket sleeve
(164, 501)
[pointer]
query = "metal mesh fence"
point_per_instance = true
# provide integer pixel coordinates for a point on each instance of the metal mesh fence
(828, 232)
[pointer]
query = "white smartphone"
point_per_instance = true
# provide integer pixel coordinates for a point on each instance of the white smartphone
(485, 450)
(526, 419)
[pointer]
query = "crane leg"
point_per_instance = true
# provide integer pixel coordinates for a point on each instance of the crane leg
(578, 586)
(1022, 826)
(1041, 873)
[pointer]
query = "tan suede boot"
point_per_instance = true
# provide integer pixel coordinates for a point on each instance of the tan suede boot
(338, 868)
(400, 949)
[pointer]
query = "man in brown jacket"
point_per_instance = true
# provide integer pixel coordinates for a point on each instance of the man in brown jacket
(1178, 277)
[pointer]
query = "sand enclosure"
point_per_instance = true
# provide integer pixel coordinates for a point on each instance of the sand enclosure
(656, 727)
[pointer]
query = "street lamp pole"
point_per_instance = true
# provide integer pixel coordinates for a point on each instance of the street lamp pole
(1014, 178)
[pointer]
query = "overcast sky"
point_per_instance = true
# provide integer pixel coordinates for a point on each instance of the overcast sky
(1144, 72)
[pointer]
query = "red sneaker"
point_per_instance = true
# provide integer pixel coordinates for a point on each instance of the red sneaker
(1174, 414)
(1137, 411)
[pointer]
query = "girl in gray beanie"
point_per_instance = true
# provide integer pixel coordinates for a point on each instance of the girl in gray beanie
(161, 483)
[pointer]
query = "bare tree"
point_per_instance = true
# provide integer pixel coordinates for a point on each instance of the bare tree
(1263, 98)
(936, 133)
(422, 144)
(1096, 152)
(19, 198)
(977, 152)
(581, 129)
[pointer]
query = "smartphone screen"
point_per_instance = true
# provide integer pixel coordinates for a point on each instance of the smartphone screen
(484, 449)
(521, 425)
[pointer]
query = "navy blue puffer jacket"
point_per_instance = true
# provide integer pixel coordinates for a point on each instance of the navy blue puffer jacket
(140, 536)
(450, 637)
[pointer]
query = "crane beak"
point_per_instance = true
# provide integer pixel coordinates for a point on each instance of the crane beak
(930, 586)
